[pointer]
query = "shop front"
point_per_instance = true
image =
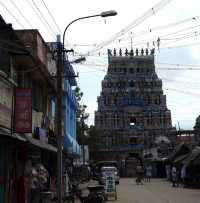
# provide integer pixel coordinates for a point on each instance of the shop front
(27, 169)
(2, 172)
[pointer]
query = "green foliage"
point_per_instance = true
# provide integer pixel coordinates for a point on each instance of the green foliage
(81, 117)
(94, 135)
(85, 135)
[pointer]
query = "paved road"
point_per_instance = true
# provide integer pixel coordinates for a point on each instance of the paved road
(158, 191)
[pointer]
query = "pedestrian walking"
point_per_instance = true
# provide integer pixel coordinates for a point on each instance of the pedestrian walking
(168, 171)
(139, 175)
(174, 176)
(183, 175)
(148, 173)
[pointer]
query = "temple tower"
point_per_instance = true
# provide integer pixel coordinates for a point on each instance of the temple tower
(132, 108)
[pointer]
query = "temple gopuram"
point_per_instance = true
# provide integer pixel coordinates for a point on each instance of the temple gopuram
(132, 110)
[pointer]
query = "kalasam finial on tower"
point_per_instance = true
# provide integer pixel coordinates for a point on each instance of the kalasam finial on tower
(147, 51)
(114, 52)
(131, 52)
(120, 52)
(142, 51)
(136, 51)
(126, 52)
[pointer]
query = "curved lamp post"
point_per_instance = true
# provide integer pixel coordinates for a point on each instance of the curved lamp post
(103, 14)
(60, 69)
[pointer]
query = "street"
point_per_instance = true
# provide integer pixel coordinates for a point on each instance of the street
(157, 191)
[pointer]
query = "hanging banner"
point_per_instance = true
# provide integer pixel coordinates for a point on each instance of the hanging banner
(23, 110)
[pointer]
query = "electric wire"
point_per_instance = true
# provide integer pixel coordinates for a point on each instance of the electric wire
(181, 46)
(177, 69)
(183, 91)
(176, 37)
(135, 23)
(41, 19)
(51, 15)
(161, 27)
(146, 41)
(101, 54)
(18, 21)
(178, 64)
(23, 16)
(159, 68)
(39, 11)
(150, 30)
(182, 38)
(189, 85)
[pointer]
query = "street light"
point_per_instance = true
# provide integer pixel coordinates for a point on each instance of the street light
(102, 14)
(108, 13)
(60, 68)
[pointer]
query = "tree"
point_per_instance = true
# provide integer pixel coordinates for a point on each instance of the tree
(81, 117)
(85, 135)
(94, 138)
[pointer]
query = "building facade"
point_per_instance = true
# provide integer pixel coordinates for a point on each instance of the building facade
(132, 108)
(26, 121)
(69, 110)
(28, 142)
(69, 107)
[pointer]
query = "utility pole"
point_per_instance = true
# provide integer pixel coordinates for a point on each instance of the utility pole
(60, 67)
(59, 118)
(82, 132)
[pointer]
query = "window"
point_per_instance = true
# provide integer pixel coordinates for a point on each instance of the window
(4, 61)
(131, 83)
(130, 70)
(132, 121)
(133, 140)
(38, 97)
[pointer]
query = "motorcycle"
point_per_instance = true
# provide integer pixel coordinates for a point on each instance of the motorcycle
(96, 194)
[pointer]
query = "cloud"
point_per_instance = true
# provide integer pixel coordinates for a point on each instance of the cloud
(183, 85)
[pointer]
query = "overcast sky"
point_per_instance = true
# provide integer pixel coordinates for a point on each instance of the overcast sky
(177, 25)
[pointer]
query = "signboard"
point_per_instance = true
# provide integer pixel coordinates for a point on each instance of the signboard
(110, 182)
(23, 110)
(6, 93)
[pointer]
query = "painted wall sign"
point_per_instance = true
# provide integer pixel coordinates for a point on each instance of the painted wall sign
(23, 110)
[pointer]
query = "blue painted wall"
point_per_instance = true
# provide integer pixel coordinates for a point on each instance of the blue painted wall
(69, 113)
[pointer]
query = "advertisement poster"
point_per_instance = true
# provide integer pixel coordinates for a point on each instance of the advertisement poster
(23, 110)
(110, 182)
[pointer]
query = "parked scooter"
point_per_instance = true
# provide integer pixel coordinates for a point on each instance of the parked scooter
(96, 194)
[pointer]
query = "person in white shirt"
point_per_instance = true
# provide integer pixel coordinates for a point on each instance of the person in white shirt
(168, 171)
(183, 174)
(174, 176)
(148, 173)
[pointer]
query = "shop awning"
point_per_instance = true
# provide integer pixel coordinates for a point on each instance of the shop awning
(6, 132)
(181, 158)
(193, 156)
(180, 149)
(41, 144)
